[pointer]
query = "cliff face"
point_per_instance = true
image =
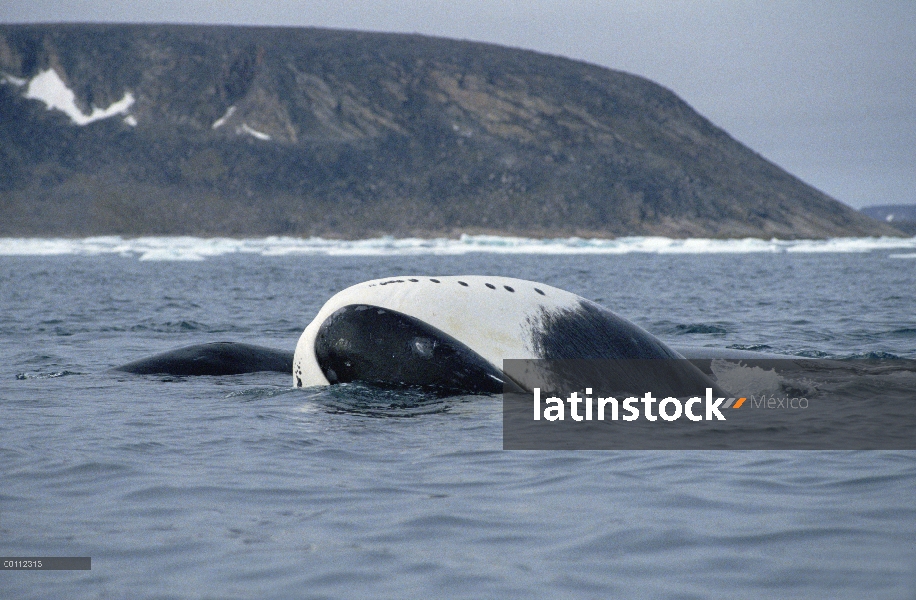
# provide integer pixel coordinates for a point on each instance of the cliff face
(228, 130)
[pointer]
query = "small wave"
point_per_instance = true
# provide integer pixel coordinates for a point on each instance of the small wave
(142, 447)
(176, 327)
(260, 393)
(699, 328)
(752, 347)
(370, 401)
(56, 374)
(814, 354)
(870, 356)
(197, 249)
(903, 332)
(855, 377)
(735, 376)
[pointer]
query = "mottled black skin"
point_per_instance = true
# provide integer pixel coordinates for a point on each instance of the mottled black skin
(591, 331)
(592, 346)
(383, 347)
(217, 358)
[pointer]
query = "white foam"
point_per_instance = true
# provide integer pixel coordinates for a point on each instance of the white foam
(130, 120)
(49, 88)
(736, 378)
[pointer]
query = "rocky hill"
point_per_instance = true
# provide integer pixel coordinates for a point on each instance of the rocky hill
(149, 129)
(901, 216)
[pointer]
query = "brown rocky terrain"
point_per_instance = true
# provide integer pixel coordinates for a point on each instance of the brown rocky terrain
(257, 131)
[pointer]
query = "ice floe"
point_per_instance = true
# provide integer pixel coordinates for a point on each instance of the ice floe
(194, 248)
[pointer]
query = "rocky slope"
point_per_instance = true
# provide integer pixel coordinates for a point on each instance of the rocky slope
(145, 129)
(900, 216)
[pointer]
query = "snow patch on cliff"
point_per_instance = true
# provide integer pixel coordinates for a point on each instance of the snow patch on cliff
(222, 120)
(48, 87)
(252, 132)
(18, 82)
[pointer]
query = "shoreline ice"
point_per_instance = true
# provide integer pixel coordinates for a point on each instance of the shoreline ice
(197, 248)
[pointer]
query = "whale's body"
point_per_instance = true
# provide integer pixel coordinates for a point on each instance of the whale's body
(447, 333)
(422, 330)
(215, 358)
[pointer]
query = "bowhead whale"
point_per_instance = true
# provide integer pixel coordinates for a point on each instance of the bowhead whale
(215, 358)
(450, 333)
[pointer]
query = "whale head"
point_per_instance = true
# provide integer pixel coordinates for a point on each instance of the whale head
(455, 331)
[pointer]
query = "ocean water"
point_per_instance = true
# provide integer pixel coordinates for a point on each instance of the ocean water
(243, 486)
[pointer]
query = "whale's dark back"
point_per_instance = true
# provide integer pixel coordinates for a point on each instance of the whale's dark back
(217, 358)
(590, 331)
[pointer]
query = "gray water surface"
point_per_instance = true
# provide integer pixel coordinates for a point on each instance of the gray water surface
(242, 486)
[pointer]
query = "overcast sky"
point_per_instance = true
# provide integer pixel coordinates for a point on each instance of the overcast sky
(825, 89)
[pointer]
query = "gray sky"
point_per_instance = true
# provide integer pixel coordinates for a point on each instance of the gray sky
(826, 90)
